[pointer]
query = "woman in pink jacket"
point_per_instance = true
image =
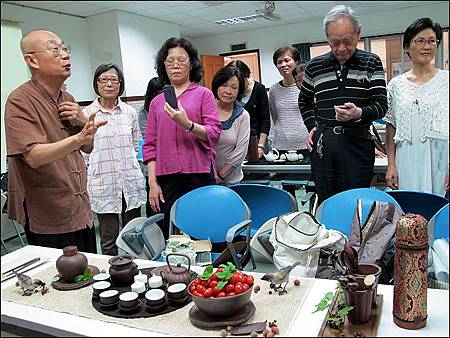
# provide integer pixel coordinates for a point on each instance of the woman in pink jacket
(179, 148)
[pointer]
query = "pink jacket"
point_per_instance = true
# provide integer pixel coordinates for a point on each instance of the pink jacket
(174, 149)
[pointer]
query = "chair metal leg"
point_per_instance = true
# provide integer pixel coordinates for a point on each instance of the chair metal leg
(18, 232)
(4, 246)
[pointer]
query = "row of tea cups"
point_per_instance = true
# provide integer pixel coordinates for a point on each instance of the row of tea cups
(274, 155)
(155, 297)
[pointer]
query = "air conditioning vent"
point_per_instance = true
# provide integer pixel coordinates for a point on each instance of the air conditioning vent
(238, 46)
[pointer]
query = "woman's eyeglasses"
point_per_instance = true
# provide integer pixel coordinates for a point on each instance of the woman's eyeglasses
(181, 60)
(421, 42)
(113, 80)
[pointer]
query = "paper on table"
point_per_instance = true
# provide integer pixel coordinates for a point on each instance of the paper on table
(440, 247)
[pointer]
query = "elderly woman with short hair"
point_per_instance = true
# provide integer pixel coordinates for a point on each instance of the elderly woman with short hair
(116, 184)
(179, 147)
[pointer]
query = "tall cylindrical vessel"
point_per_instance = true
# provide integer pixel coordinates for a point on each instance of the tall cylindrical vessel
(410, 272)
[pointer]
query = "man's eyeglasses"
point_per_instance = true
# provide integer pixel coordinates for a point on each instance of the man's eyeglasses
(114, 80)
(182, 61)
(421, 42)
(55, 50)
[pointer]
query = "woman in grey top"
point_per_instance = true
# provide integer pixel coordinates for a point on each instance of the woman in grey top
(290, 132)
(228, 87)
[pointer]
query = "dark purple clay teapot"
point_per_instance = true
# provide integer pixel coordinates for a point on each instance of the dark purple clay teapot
(71, 264)
(177, 274)
(122, 269)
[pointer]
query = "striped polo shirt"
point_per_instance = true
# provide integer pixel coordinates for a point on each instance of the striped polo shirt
(327, 84)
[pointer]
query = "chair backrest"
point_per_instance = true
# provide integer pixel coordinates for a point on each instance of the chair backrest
(265, 202)
(208, 212)
(418, 202)
(438, 224)
(142, 237)
(337, 211)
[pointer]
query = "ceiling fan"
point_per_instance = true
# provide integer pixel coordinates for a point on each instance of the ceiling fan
(268, 12)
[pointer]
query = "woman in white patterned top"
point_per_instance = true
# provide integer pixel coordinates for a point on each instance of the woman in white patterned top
(418, 114)
(116, 184)
(290, 132)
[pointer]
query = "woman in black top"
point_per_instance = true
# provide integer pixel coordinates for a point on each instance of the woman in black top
(256, 102)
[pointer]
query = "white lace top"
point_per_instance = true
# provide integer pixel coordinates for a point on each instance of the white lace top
(430, 101)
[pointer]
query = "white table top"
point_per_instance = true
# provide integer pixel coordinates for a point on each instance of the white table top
(306, 324)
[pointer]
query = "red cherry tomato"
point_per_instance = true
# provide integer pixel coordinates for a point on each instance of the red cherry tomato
(216, 291)
(238, 288)
(219, 270)
(214, 277)
(231, 294)
(221, 294)
(229, 288)
(208, 293)
(197, 281)
(241, 277)
(235, 278)
(249, 279)
(197, 294)
(200, 289)
(213, 283)
(192, 288)
(245, 287)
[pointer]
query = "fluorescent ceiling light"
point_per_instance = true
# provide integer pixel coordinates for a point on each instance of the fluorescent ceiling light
(237, 20)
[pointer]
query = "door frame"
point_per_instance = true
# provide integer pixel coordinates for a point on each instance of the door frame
(247, 51)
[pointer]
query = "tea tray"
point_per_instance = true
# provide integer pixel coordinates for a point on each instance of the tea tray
(141, 311)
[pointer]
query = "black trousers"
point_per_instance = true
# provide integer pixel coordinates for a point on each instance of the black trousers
(347, 163)
(84, 239)
(176, 185)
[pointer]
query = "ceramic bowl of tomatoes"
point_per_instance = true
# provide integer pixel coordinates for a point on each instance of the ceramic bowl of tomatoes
(223, 302)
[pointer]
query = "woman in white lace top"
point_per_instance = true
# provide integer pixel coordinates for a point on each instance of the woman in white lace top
(417, 131)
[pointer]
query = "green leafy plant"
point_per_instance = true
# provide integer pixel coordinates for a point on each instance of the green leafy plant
(336, 318)
(224, 276)
(87, 275)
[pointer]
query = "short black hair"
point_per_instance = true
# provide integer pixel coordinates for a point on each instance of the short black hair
(295, 54)
(242, 66)
(104, 68)
(223, 75)
(154, 87)
(196, 72)
(419, 25)
(300, 66)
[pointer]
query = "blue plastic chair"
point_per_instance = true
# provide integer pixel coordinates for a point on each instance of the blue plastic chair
(418, 202)
(438, 224)
(216, 213)
(337, 211)
(265, 202)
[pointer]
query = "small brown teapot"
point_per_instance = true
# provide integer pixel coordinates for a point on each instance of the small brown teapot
(122, 270)
(177, 274)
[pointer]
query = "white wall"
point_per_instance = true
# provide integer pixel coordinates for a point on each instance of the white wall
(72, 30)
(267, 40)
(140, 40)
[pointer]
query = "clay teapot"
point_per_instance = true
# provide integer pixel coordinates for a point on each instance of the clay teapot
(177, 274)
(71, 264)
(122, 270)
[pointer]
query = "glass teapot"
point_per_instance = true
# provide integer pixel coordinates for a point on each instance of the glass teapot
(177, 274)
